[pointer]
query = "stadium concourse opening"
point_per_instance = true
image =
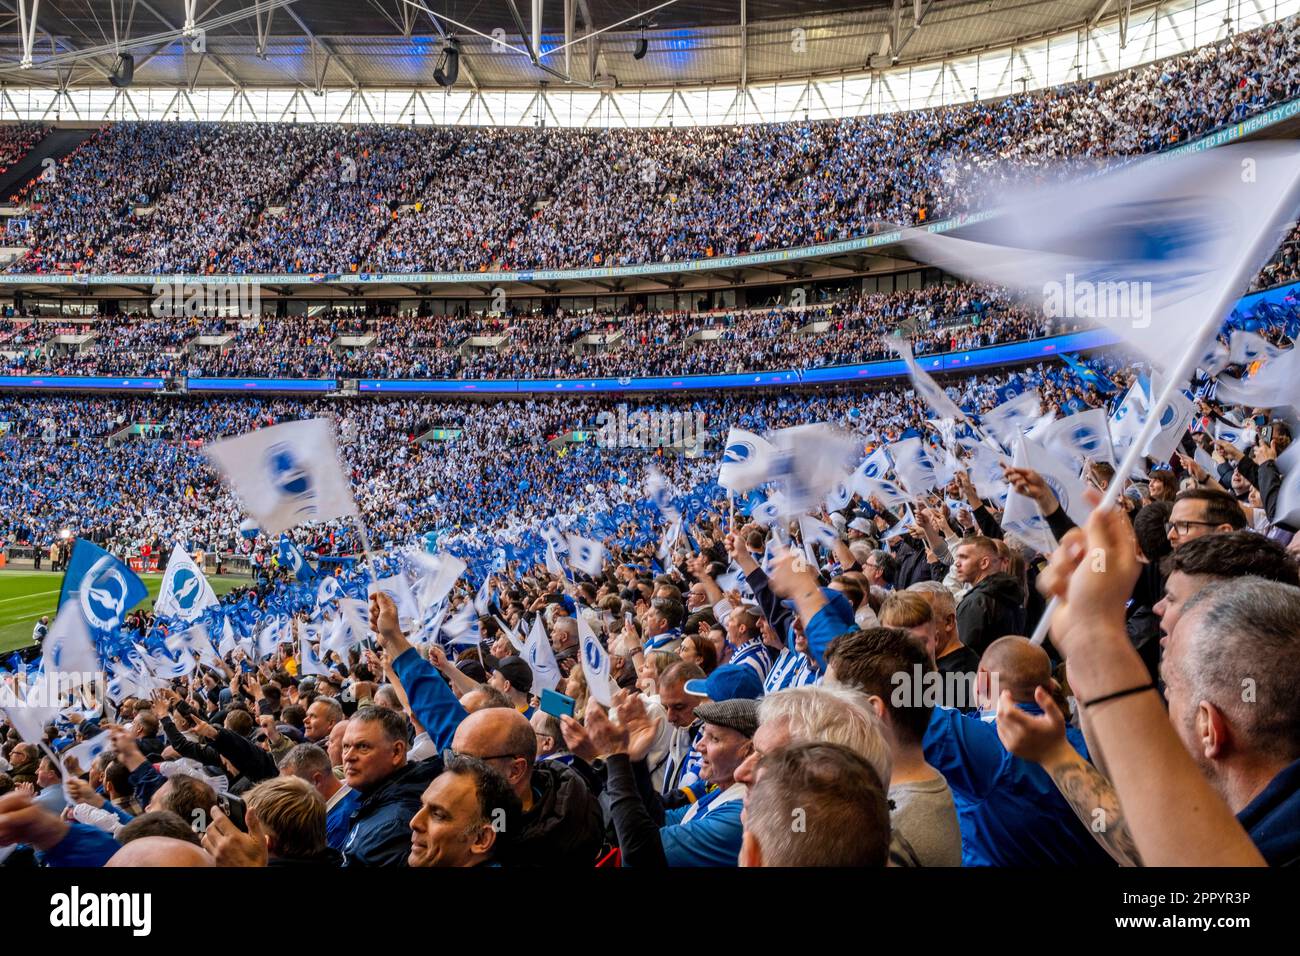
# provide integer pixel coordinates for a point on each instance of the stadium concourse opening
(891, 465)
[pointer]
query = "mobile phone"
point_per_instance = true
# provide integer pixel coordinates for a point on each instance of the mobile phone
(183, 708)
(557, 705)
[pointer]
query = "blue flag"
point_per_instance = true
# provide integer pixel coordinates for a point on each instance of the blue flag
(1089, 375)
(291, 557)
(104, 588)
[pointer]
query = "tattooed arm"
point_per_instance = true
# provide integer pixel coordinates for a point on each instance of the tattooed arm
(1041, 740)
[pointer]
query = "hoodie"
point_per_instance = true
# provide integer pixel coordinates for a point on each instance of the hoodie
(993, 608)
(565, 827)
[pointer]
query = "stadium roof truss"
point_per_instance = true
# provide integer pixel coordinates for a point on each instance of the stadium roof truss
(572, 62)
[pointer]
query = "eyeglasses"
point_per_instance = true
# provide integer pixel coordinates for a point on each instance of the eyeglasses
(1182, 527)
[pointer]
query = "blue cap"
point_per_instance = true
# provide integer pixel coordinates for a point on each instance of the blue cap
(728, 682)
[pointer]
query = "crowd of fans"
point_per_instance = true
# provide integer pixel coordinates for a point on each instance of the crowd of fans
(317, 198)
(938, 318)
(60, 471)
(17, 140)
(740, 677)
(867, 698)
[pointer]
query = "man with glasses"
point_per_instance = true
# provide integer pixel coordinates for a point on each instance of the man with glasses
(1201, 511)
(561, 824)
(879, 569)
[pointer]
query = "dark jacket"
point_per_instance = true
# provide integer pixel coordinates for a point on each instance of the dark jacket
(25, 772)
(248, 758)
(188, 748)
(1273, 818)
(326, 857)
(993, 608)
(565, 826)
(380, 834)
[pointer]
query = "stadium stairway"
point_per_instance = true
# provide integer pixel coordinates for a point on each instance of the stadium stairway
(56, 144)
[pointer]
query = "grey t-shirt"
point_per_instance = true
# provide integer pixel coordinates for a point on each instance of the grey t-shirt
(925, 815)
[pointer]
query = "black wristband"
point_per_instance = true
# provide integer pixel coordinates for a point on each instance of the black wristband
(1118, 694)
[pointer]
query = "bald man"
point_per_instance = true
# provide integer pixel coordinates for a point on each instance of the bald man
(1010, 811)
(160, 851)
(562, 821)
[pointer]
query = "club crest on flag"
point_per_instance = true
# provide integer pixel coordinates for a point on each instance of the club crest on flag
(288, 476)
(104, 592)
(738, 452)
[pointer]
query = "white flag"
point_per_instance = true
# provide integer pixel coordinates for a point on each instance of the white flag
(86, 751)
(1245, 348)
(553, 564)
(1175, 417)
(661, 495)
(350, 628)
(905, 521)
(1082, 436)
(586, 555)
(913, 465)
(554, 538)
(986, 473)
(397, 588)
(1274, 385)
(1288, 495)
(29, 720)
(817, 533)
(1012, 418)
(227, 645)
(165, 668)
(269, 637)
(1202, 458)
(925, 386)
(193, 639)
(185, 591)
(286, 474)
(595, 663)
(746, 461)
(483, 599)
(1058, 475)
(541, 658)
(68, 648)
(1128, 418)
(309, 661)
(808, 461)
(840, 495)
(463, 627)
(438, 574)
(1239, 438)
(1152, 251)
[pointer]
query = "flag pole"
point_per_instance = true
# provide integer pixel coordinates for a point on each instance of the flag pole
(366, 549)
(1181, 373)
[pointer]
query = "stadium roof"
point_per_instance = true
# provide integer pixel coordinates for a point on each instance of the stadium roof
(506, 44)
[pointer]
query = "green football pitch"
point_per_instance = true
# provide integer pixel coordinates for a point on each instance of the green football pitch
(26, 595)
